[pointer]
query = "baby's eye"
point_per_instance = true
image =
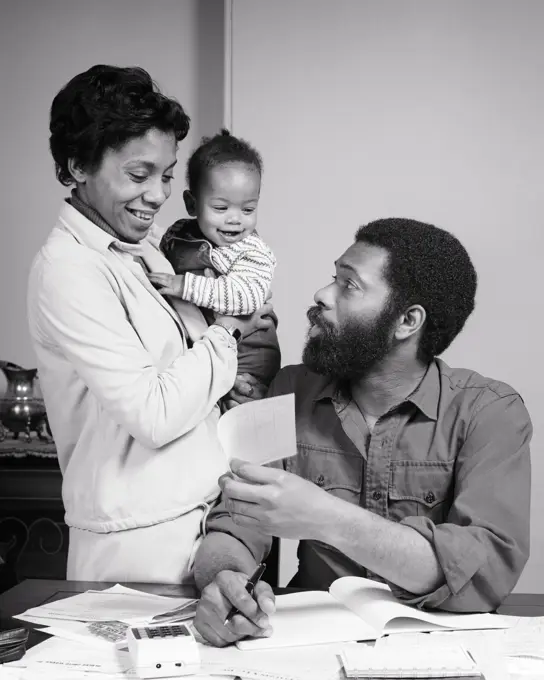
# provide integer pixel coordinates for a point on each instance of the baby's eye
(220, 208)
(248, 211)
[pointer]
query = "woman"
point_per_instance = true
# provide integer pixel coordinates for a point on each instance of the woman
(130, 383)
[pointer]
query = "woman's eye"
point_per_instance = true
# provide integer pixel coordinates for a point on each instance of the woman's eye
(138, 178)
(167, 178)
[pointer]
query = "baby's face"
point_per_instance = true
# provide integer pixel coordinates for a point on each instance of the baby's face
(226, 207)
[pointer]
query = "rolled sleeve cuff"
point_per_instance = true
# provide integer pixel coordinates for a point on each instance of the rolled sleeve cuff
(258, 544)
(459, 553)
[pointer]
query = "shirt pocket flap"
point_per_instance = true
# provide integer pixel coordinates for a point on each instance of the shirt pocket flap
(425, 483)
(334, 471)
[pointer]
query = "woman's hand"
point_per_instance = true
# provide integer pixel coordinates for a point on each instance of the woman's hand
(259, 320)
(246, 388)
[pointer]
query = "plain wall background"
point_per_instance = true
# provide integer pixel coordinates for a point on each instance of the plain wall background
(44, 44)
(417, 108)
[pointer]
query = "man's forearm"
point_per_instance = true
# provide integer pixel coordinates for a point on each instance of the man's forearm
(397, 553)
(217, 552)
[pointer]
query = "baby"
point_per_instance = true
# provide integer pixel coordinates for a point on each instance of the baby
(224, 184)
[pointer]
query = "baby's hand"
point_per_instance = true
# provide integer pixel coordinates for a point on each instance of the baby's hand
(167, 284)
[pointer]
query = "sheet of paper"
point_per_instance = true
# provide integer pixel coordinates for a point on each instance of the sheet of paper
(75, 657)
(319, 662)
(260, 431)
(113, 604)
(378, 606)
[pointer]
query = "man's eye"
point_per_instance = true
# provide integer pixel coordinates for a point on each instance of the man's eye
(344, 283)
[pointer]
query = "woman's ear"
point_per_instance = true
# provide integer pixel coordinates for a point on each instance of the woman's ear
(411, 322)
(190, 203)
(77, 172)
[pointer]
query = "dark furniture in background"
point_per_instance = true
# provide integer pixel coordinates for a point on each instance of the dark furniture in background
(33, 536)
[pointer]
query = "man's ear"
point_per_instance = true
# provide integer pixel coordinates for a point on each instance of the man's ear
(411, 322)
(190, 203)
(77, 172)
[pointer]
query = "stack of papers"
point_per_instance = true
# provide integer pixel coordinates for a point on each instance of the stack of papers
(102, 617)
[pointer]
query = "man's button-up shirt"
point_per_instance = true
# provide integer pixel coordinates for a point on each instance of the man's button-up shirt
(452, 462)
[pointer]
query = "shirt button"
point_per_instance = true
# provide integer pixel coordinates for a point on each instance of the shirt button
(430, 497)
(320, 480)
(376, 495)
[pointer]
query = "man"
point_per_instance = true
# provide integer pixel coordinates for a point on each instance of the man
(408, 471)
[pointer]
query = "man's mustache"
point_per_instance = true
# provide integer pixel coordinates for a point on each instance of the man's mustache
(315, 317)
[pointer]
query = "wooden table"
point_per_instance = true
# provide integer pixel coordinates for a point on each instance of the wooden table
(35, 592)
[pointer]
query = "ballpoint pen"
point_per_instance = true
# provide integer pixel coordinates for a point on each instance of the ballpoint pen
(250, 587)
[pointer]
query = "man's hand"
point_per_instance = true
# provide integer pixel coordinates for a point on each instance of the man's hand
(226, 591)
(274, 502)
(246, 388)
(167, 284)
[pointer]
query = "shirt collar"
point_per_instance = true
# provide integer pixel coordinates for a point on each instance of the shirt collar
(425, 397)
(328, 388)
(83, 221)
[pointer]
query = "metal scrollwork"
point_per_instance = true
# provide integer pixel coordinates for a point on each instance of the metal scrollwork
(17, 545)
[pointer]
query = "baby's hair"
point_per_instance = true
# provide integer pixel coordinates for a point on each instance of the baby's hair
(220, 149)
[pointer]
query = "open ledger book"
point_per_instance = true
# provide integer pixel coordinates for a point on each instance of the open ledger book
(356, 609)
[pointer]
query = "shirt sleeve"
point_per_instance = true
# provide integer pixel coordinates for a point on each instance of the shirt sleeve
(77, 308)
(484, 543)
(242, 289)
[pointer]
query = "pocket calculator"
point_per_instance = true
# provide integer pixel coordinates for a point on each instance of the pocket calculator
(163, 651)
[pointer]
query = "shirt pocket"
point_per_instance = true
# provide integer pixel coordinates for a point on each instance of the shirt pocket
(420, 489)
(339, 473)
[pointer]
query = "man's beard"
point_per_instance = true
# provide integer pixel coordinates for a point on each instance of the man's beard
(352, 351)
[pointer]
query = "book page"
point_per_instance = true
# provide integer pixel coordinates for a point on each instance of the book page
(375, 603)
(260, 431)
(310, 618)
